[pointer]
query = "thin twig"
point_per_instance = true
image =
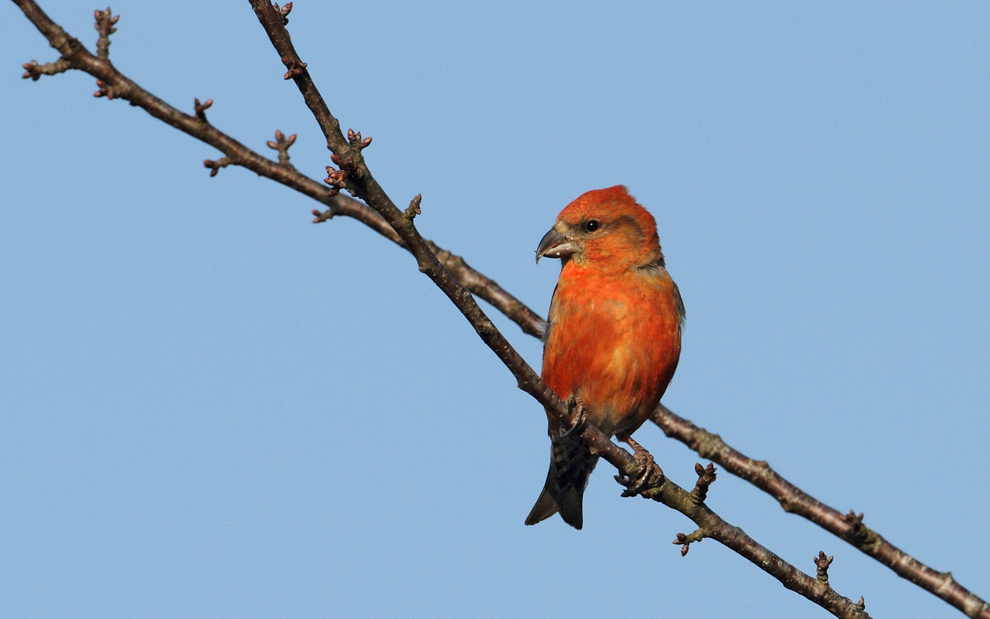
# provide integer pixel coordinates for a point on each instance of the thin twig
(347, 155)
(74, 56)
(531, 323)
(848, 527)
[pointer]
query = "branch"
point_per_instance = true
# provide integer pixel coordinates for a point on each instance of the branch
(355, 176)
(116, 85)
(848, 527)
(75, 56)
(365, 187)
(113, 84)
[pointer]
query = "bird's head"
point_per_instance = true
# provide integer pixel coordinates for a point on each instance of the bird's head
(604, 229)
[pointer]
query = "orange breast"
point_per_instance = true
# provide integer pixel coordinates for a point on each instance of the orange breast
(615, 342)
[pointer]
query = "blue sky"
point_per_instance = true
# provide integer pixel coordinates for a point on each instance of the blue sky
(211, 407)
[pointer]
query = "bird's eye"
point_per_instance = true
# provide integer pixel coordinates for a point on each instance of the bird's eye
(592, 225)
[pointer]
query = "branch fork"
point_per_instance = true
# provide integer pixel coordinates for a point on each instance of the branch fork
(295, 67)
(34, 71)
(706, 477)
(413, 209)
(200, 109)
(822, 563)
(104, 89)
(337, 179)
(282, 144)
(355, 140)
(321, 216)
(685, 540)
(283, 11)
(273, 19)
(215, 166)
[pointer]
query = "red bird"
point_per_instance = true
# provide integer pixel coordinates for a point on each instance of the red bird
(614, 335)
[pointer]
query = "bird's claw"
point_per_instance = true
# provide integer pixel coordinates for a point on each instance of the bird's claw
(576, 407)
(646, 476)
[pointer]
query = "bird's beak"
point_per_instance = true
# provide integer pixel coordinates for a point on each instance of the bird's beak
(555, 245)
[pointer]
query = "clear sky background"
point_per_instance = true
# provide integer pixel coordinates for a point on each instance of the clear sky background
(211, 407)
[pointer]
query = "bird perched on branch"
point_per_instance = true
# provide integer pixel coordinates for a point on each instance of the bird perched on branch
(614, 333)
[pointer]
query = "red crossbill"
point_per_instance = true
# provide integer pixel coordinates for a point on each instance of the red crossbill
(613, 337)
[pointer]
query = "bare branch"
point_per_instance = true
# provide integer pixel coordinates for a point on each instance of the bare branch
(822, 562)
(413, 209)
(115, 85)
(488, 290)
(355, 175)
(848, 527)
(34, 70)
(200, 109)
(710, 525)
(215, 166)
(105, 23)
(706, 477)
(282, 144)
(75, 56)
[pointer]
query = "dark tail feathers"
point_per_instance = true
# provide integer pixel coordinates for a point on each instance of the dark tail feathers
(571, 464)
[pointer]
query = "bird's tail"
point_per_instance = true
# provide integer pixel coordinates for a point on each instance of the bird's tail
(571, 464)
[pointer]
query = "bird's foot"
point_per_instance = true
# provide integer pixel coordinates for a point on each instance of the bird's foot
(579, 416)
(645, 476)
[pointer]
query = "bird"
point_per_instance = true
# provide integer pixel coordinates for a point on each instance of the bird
(613, 336)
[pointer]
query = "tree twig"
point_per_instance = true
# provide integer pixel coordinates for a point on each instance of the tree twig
(113, 84)
(848, 527)
(75, 56)
(356, 177)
